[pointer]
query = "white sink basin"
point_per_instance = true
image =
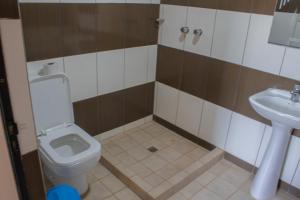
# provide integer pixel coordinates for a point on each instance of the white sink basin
(277, 106)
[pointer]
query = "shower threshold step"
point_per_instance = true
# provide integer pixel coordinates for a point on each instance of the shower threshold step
(155, 162)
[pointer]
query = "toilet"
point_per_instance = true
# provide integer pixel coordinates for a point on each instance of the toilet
(67, 152)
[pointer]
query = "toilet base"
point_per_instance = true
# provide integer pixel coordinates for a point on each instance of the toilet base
(79, 182)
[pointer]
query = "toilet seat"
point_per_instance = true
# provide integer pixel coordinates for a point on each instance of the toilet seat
(68, 161)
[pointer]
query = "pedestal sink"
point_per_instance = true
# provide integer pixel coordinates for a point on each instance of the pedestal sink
(277, 106)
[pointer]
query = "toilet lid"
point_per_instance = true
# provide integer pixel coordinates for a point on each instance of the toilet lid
(51, 101)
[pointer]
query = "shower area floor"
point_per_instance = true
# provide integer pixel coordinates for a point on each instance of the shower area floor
(155, 162)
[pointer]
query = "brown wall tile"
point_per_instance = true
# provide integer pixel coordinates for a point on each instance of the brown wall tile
(222, 83)
(150, 87)
(204, 3)
(253, 81)
(42, 35)
(169, 66)
(111, 111)
(195, 73)
(78, 28)
(135, 103)
(111, 26)
(176, 2)
(141, 28)
(33, 176)
(266, 7)
(234, 5)
(9, 9)
(86, 115)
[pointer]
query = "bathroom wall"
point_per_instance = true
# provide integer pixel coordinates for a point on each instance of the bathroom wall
(12, 45)
(203, 84)
(107, 48)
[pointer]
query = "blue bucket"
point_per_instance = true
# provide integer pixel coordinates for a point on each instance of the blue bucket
(63, 192)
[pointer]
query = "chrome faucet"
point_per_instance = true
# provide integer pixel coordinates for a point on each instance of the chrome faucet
(295, 93)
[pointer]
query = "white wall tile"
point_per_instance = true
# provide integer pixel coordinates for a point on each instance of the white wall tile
(259, 54)
(214, 124)
(230, 36)
(291, 66)
(244, 138)
(110, 1)
(39, 1)
(77, 1)
(155, 1)
(82, 71)
(166, 102)
(110, 71)
(152, 58)
(135, 66)
(296, 178)
(33, 68)
(139, 1)
(175, 18)
(204, 19)
(189, 112)
(264, 145)
(291, 160)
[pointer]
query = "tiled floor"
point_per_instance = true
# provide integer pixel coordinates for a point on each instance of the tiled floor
(224, 181)
(156, 172)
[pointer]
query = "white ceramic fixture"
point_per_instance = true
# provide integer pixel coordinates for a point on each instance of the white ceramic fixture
(67, 151)
(283, 109)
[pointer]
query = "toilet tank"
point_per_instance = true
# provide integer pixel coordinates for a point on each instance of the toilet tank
(51, 101)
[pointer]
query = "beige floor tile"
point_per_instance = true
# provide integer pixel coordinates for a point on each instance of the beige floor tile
(100, 171)
(169, 154)
(125, 170)
(141, 136)
(155, 143)
(193, 167)
(126, 143)
(155, 130)
(112, 183)
(178, 196)
(205, 178)
(154, 163)
(169, 138)
(220, 167)
(183, 146)
(140, 170)
(142, 183)
(178, 177)
(197, 153)
(98, 191)
(154, 179)
(222, 188)
(111, 198)
(182, 162)
(113, 148)
(127, 194)
(139, 153)
(241, 196)
(126, 159)
(167, 171)
(91, 178)
(191, 189)
(206, 195)
(236, 176)
(160, 189)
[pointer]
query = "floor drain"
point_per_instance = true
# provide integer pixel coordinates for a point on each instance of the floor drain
(152, 149)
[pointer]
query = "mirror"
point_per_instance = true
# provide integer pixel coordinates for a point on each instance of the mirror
(286, 24)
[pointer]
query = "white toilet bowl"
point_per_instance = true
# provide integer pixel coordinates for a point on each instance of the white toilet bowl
(67, 151)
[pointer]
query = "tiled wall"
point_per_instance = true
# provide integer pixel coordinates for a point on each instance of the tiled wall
(107, 49)
(203, 83)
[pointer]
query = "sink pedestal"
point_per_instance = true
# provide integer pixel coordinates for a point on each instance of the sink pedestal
(265, 183)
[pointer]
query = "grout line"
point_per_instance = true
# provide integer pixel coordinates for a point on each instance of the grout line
(259, 148)
(282, 62)
(213, 34)
(246, 41)
(228, 129)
